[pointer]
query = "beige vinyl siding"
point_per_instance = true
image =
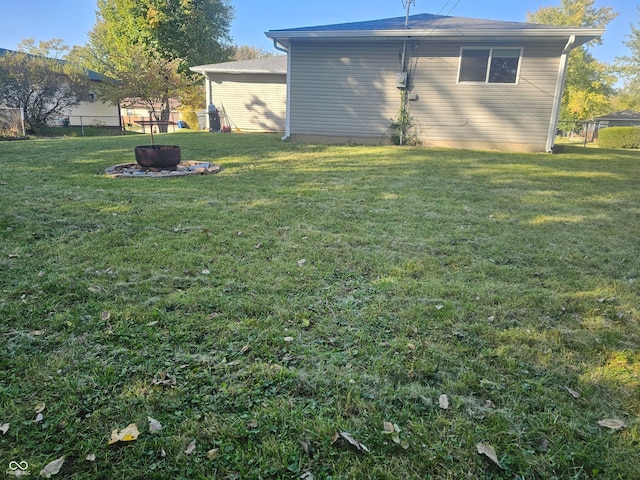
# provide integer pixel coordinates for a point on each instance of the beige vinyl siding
(343, 90)
(253, 102)
(496, 115)
(93, 114)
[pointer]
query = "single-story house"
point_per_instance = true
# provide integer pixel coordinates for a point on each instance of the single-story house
(467, 83)
(623, 118)
(91, 111)
(252, 93)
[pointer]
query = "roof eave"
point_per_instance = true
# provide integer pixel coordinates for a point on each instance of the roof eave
(583, 35)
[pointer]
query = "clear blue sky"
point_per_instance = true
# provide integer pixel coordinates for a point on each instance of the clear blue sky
(71, 20)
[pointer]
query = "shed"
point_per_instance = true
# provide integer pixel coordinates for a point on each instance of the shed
(252, 92)
(468, 83)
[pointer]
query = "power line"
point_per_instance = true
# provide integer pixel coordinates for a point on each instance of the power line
(453, 8)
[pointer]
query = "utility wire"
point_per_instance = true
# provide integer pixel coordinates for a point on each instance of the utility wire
(453, 8)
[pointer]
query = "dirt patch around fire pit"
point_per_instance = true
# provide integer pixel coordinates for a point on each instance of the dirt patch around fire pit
(185, 168)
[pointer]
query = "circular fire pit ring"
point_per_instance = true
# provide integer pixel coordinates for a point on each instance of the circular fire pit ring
(129, 170)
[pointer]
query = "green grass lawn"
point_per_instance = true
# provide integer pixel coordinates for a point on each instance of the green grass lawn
(311, 290)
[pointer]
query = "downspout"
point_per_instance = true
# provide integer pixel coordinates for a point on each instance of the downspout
(557, 99)
(287, 120)
(209, 84)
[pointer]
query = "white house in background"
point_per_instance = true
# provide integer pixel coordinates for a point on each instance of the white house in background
(253, 93)
(478, 84)
(90, 111)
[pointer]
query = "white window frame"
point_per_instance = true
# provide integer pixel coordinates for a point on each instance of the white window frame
(488, 72)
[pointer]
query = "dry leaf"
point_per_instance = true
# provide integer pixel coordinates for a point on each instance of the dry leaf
(301, 262)
(489, 404)
(152, 324)
(489, 452)
(4, 428)
(128, 434)
(252, 424)
(443, 401)
(411, 346)
(306, 446)
(306, 476)
(612, 424)
(40, 408)
(439, 307)
(393, 430)
(213, 453)
(352, 441)
(154, 425)
(91, 457)
(245, 349)
(104, 316)
(573, 393)
(39, 418)
(190, 448)
(163, 453)
(165, 380)
(288, 339)
(52, 468)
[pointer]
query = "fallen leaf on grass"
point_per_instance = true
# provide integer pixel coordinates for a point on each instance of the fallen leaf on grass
(306, 476)
(39, 408)
(288, 339)
(306, 446)
(154, 425)
(213, 453)
(52, 468)
(164, 379)
(104, 316)
(91, 457)
(190, 448)
(252, 424)
(443, 401)
(352, 441)
(39, 418)
(572, 392)
(127, 434)
(4, 428)
(612, 424)
(393, 430)
(488, 451)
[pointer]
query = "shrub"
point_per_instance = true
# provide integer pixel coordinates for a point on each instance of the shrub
(619, 137)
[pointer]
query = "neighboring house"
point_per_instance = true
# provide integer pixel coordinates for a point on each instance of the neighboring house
(623, 118)
(470, 83)
(91, 111)
(252, 92)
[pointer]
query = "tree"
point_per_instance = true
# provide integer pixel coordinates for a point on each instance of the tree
(194, 32)
(148, 80)
(248, 52)
(173, 34)
(38, 81)
(589, 83)
(629, 67)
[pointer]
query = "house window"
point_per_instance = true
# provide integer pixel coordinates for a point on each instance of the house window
(489, 65)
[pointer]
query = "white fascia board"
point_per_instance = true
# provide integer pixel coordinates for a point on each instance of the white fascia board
(583, 35)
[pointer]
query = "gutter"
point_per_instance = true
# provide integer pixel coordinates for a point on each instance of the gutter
(557, 98)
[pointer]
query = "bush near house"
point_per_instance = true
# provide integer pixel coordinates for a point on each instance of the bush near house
(619, 137)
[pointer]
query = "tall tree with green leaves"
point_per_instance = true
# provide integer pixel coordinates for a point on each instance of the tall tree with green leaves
(174, 34)
(629, 68)
(37, 80)
(590, 83)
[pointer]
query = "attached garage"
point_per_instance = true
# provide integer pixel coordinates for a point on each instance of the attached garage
(253, 93)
